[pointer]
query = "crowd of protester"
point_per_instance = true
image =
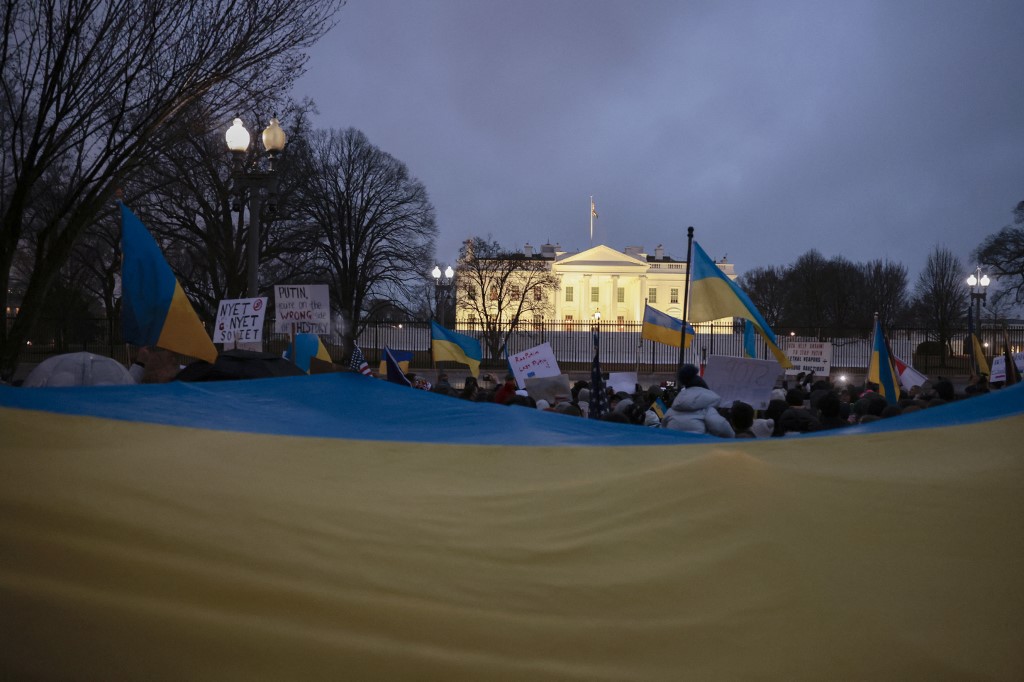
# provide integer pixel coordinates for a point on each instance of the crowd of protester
(801, 405)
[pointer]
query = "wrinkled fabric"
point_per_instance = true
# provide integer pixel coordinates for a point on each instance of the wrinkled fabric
(318, 528)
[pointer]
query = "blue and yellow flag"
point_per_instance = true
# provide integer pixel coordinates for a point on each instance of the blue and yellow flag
(402, 359)
(393, 370)
(714, 296)
(155, 310)
(881, 369)
(664, 328)
(304, 347)
(749, 344)
(979, 365)
(448, 345)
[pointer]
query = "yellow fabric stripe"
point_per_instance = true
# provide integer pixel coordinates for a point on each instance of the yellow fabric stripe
(653, 332)
(156, 552)
(183, 332)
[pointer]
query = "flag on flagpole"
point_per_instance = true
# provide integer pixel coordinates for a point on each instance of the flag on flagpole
(663, 328)
(979, 365)
(598, 394)
(155, 310)
(593, 210)
(909, 377)
(881, 369)
(402, 357)
(714, 296)
(448, 345)
(358, 362)
(749, 344)
(304, 347)
(659, 407)
(395, 374)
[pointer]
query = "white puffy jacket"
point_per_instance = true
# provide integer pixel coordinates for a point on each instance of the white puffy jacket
(694, 411)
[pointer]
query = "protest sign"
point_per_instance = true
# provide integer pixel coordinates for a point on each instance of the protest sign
(306, 306)
(999, 366)
(622, 381)
(810, 356)
(538, 361)
(743, 379)
(240, 320)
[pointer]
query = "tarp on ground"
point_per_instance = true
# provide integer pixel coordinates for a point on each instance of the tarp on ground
(339, 527)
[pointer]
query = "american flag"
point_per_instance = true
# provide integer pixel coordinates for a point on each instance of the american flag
(598, 395)
(358, 362)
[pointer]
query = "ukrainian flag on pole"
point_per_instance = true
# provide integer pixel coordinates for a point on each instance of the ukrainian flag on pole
(155, 310)
(881, 369)
(714, 296)
(664, 328)
(448, 345)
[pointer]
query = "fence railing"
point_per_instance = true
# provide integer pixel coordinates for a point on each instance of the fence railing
(622, 348)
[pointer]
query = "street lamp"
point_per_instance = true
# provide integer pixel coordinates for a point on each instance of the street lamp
(978, 282)
(252, 182)
(442, 288)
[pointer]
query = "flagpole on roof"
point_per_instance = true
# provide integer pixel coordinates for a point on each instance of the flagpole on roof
(686, 296)
(593, 214)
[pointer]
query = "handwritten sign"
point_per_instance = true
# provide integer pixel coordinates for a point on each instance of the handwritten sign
(535, 362)
(743, 379)
(306, 306)
(240, 320)
(810, 356)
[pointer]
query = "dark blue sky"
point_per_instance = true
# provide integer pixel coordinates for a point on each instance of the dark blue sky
(863, 128)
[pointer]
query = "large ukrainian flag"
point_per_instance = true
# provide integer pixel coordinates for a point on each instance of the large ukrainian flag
(330, 527)
(155, 310)
(304, 348)
(448, 345)
(714, 296)
(664, 328)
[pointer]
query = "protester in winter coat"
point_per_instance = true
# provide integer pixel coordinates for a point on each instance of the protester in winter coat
(694, 411)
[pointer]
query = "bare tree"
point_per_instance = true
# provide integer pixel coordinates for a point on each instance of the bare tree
(884, 292)
(501, 289)
(87, 91)
(376, 225)
(941, 295)
(1003, 254)
(768, 288)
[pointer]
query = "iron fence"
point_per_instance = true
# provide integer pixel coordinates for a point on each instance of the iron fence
(622, 348)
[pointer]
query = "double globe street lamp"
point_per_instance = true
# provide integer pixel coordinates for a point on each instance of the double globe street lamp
(252, 183)
(978, 282)
(442, 289)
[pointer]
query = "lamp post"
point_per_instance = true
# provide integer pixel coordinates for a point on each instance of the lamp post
(251, 183)
(978, 282)
(442, 289)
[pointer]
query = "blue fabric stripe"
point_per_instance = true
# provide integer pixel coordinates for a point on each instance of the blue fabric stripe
(147, 283)
(347, 405)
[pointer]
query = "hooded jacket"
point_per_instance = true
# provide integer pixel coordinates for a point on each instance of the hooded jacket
(694, 411)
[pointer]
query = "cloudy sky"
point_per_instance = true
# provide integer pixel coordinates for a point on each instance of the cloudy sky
(863, 128)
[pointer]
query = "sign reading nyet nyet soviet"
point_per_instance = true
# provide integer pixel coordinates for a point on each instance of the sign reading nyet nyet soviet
(810, 356)
(306, 308)
(240, 320)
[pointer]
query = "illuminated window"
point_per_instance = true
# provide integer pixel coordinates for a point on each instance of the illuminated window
(620, 295)
(595, 294)
(652, 295)
(673, 295)
(568, 296)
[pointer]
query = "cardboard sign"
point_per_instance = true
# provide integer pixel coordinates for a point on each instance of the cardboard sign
(307, 306)
(532, 363)
(743, 379)
(240, 320)
(810, 356)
